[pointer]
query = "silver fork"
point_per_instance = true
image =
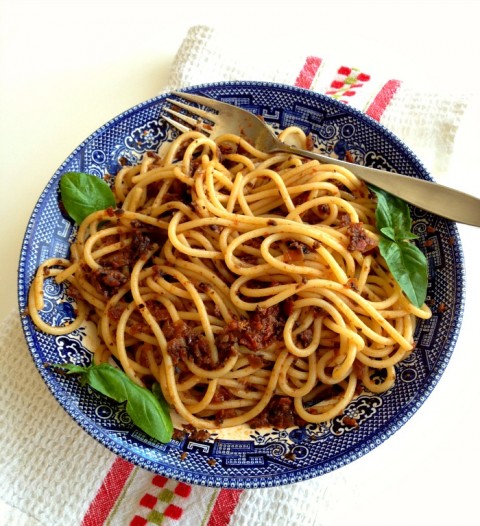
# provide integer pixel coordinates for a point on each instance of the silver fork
(221, 118)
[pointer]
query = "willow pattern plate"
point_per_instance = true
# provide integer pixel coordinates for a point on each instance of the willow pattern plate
(245, 458)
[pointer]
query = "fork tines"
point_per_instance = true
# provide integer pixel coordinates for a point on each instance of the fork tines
(202, 120)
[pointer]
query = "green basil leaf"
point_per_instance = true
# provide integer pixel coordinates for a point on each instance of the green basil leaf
(109, 381)
(144, 408)
(408, 265)
(83, 194)
(405, 260)
(149, 414)
(393, 216)
(389, 232)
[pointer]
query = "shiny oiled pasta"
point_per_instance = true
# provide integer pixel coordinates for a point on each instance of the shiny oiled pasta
(248, 285)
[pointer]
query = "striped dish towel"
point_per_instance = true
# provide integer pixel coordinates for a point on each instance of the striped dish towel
(427, 120)
(53, 473)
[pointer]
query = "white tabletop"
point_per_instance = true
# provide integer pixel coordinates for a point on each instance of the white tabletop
(67, 67)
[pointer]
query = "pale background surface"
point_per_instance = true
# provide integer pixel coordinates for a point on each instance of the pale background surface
(67, 67)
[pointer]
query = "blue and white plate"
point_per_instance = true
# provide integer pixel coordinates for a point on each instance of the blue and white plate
(245, 458)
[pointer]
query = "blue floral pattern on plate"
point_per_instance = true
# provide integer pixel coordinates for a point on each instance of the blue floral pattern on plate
(259, 458)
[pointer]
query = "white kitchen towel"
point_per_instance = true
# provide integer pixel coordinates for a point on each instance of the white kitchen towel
(52, 472)
(425, 118)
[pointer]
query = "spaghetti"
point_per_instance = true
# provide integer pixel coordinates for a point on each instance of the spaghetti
(248, 285)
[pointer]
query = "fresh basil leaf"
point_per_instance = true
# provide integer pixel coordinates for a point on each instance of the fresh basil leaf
(408, 266)
(149, 414)
(393, 216)
(144, 408)
(109, 381)
(83, 194)
(389, 232)
(405, 260)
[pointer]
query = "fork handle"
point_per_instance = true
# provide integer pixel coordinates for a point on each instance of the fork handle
(432, 197)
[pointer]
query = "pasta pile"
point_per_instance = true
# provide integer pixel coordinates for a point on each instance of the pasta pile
(248, 285)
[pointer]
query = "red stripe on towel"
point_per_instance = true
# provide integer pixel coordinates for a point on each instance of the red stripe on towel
(107, 495)
(309, 70)
(224, 507)
(382, 100)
